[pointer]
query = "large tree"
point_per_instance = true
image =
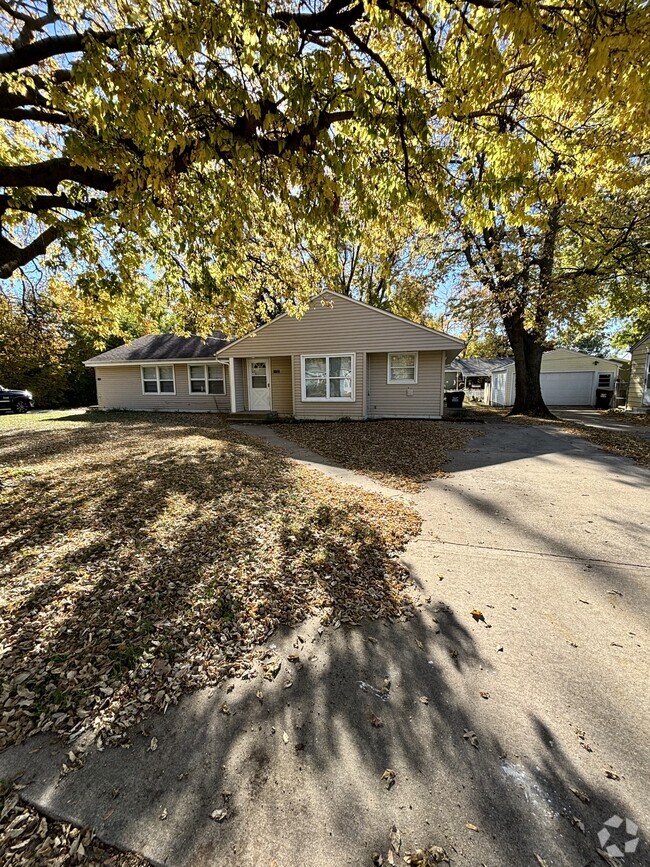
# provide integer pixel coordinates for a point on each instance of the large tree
(227, 147)
(546, 204)
(147, 113)
(141, 110)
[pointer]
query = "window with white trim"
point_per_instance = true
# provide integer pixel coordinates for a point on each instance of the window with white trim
(403, 368)
(158, 380)
(604, 380)
(207, 379)
(328, 377)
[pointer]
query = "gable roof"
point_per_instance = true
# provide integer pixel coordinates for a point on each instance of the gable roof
(640, 342)
(584, 355)
(478, 366)
(162, 347)
(454, 342)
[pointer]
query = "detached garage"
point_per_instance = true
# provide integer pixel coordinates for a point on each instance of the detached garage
(568, 378)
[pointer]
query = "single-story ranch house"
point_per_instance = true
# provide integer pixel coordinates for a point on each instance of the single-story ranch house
(341, 359)
(638, 393)
(568, 378)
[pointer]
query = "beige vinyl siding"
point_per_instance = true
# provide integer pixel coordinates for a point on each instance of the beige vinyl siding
(567, 361)
(281, 394)
(638, 367)
(328, 410)
(240, 380)
(423, 399)
(334, 323)
(120, 387)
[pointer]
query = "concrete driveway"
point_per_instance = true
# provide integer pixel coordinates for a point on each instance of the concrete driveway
(599, 419)
(501, 731)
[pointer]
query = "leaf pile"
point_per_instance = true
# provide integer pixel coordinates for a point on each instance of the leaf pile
(146, 555)
(401, 453)
(28, 839)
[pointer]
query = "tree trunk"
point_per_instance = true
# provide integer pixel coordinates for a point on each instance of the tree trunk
(528, 350)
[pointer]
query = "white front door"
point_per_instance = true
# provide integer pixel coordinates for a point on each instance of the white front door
(259, 384)
(646, 383)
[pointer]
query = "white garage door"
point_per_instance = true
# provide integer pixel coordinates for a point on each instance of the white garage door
(571, 389)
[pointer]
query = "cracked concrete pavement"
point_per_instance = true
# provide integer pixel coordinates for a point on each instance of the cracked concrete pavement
(548, 537)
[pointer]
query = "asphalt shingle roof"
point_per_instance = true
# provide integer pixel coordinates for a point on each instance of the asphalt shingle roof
(159, 347)
(478, 366)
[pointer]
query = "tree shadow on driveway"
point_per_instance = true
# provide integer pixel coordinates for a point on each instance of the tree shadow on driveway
(315, 796)
(297, 770)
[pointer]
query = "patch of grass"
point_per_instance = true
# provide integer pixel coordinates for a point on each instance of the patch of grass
(9, 421)
(401, 453)
(143, 555)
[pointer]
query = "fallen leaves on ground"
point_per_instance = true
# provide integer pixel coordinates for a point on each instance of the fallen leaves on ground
(623, 443)
(401, 453)
(641, 419)
(147, 555)
(427, 857)
(607, 858)
(578, 823)
(580, 795)
(627, 445)
(27, 838)
(471, 737)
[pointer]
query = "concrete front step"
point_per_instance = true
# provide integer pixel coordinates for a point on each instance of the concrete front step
(260, 417)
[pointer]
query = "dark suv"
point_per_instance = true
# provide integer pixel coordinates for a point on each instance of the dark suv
(15, 400)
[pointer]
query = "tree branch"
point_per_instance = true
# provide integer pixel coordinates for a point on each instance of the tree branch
(52, 46)
(50, 173)
(40, 115)
(12, 256)
(44, 203)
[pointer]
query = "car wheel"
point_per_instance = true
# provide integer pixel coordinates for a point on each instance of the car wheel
(20, 406)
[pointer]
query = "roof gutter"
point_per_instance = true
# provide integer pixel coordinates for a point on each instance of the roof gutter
(201, 359)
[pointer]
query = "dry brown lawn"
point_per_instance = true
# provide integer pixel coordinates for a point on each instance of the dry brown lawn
(142, 556)
(400, 453)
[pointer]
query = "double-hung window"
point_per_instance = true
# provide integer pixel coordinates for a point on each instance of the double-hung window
(207, 379)
(403, 368)
(604, 380)
(158, 380)
(328, 377)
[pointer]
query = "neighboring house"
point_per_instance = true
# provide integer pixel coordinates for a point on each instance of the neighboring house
(568, 378)
(341, 359)
(638, 393)
(163, 372)
(471, 375)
